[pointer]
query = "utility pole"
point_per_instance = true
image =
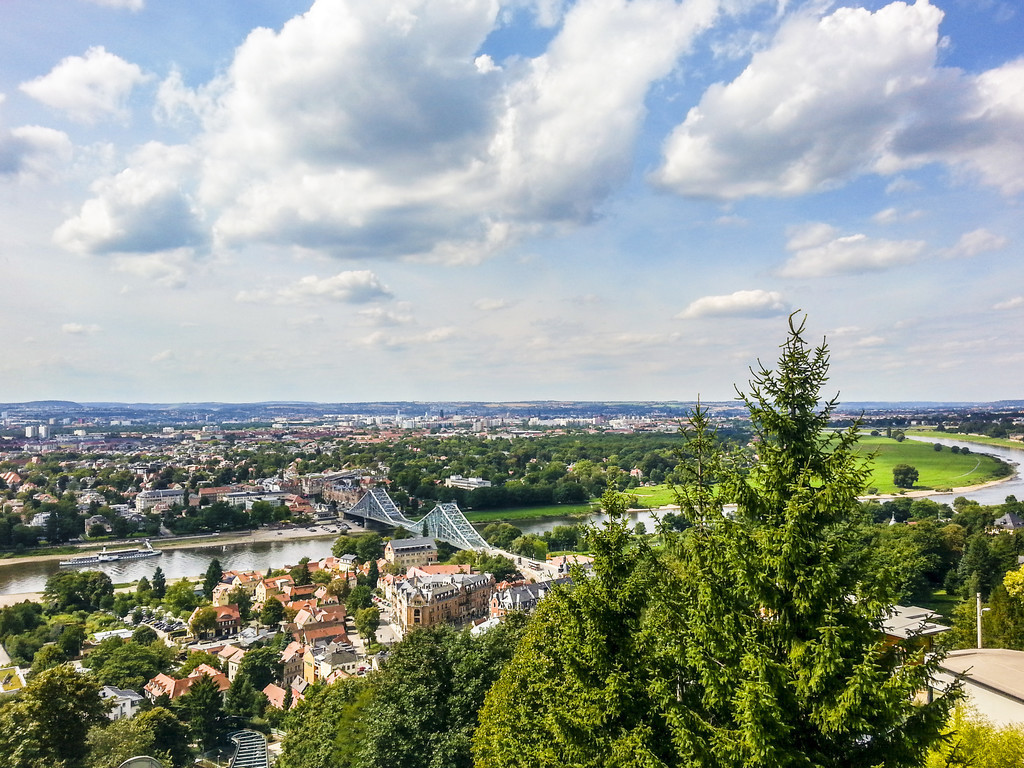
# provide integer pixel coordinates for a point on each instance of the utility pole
(978, 597)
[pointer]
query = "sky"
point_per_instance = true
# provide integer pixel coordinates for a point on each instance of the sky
(496, 200)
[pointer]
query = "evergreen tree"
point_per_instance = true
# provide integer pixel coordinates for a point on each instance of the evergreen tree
(204, 711)
(755, 642)
(159, 583)
(212, 578)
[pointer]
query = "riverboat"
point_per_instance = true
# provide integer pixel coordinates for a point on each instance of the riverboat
(104, 556)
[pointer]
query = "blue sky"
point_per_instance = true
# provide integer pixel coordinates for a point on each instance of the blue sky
(531, 199)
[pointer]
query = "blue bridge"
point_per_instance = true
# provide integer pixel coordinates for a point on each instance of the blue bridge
(444, 522)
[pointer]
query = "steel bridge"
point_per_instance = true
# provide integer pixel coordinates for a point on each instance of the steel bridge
(445, 521)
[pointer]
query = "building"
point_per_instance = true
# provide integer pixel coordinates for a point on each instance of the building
(428, 601)
(466, 483)
(993, 681)
(522, 597)
(175, 688)
(323, 661)
(12, 679)
(125, 702)
(909, 622)
(406, 553)
(149, 499)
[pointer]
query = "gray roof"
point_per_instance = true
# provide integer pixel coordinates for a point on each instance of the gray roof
(420, 542)
(997, 669)
(911, 621)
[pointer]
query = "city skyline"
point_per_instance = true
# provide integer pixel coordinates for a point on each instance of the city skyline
(493, 201)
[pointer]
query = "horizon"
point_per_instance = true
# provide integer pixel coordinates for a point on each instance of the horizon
(508, 200)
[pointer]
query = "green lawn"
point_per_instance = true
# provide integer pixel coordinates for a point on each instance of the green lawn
(526, 513)
(937, 469)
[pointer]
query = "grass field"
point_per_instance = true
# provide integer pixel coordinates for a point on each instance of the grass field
(937, 470)
(526, 513)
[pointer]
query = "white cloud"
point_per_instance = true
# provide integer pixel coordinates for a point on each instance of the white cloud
(353, 287)
(131, 5)
(144, 208)
(490, 305)
(33, 151)
(375, 130)
(168, 269)
(756, 303)
(1016, 301)
(163, 356)
(818, 251)
(975, 243)
(79, 329)
(88, 88)
(379, 316)
(380, 339)
(895, 215)
(849, 93)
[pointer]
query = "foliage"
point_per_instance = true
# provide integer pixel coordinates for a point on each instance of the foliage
(262, 665)
(195, 659)
(74, 590)
(204, 711)
(367, 621)
(751, 641)
(47, 724)
(129, 664)
(212, 577)
(325, 728)
(904, 476)
(272, 612)
(159, 583)
(360, 597)
(181, 597)
(975, 742)
(157, 732)
(203, 621)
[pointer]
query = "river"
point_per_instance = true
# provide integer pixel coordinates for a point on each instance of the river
(17, 577)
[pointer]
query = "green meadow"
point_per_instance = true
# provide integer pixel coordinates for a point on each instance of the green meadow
(937, 470)
(526, 513)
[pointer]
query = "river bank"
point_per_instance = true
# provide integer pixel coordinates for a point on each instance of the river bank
(190, 542)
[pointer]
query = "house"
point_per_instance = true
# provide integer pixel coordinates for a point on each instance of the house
(1009, 522)
(314, 633)
(125, 702)
(522, 597)
(909, 622)
(320, 662)
(993, 682)
(229, 621)
(431, 600)
(291, 660)
(276, 695)
(411, 552)
(269, 587)
(175, 688)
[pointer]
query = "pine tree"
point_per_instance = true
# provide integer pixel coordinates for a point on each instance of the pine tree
(212, 577)
(159, 583)
(754, 642)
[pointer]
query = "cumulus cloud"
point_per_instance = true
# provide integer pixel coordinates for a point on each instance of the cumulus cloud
(1016, 301)
(975, 243)
(845, 94)
(376, 130)
(818, 250)
(88, 88)
(168, 269)
(380, 316)
(144, 208)
(895, 215)
(381, 339)
(79, 329)
(33, 151)
(756, 303)
(490, 305)
(353, 287)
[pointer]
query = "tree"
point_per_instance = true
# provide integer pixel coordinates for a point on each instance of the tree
(262, 665)
(300, 573)
(159, 583)
(239, 597)
(130, 665)
(204, 620)
(145, 635)
(212, 577)
(904, 476)
(48, 723)
(181, 597)
(157, 733)
(204, 711)
(360, 597)
(48, 657)
(272, 612)
(367, 622)
(753, 641)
